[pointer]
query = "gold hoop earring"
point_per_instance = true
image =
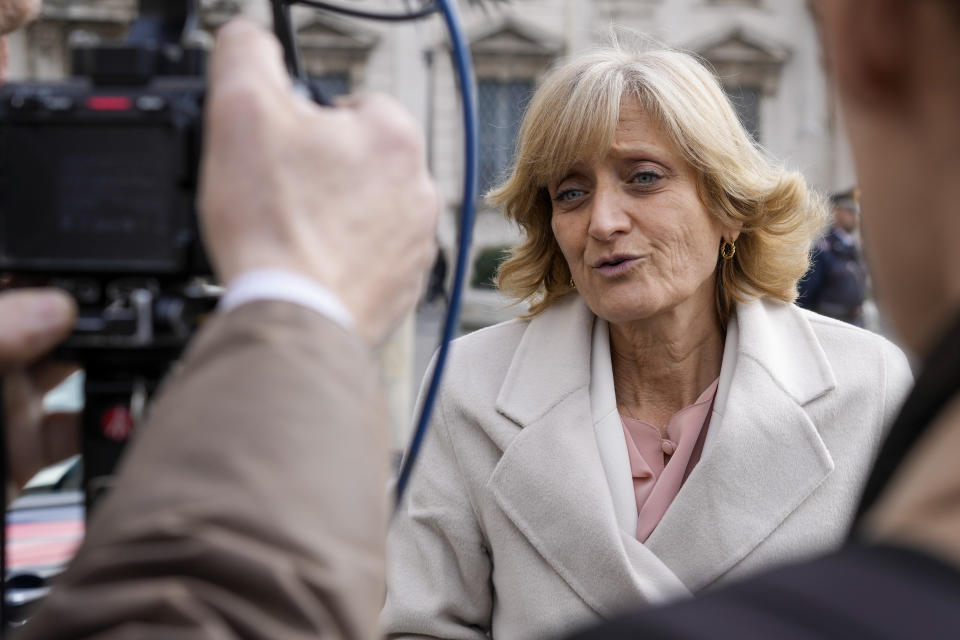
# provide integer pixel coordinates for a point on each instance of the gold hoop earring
(727, 250)
(573, 285)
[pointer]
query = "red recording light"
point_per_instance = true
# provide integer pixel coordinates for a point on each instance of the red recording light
(116, 423)
(109, 103)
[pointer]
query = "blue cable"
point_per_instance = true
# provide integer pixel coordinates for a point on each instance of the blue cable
(464, 66)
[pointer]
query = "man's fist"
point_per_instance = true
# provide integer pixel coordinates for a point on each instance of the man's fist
(341, 195)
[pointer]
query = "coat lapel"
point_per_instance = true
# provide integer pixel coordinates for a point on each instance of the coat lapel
(762, 457)
(550, 480)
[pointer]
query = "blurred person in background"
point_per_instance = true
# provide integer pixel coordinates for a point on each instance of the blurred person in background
(896, 67)
(664, 420)
(836, 284)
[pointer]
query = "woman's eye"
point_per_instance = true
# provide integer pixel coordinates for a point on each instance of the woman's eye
(646, 178)
(568, 195)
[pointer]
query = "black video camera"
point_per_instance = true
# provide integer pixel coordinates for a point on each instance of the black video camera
(98, 177)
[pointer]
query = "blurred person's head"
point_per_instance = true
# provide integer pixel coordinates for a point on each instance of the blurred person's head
(846, 210)
(626, 152)
(896, 66)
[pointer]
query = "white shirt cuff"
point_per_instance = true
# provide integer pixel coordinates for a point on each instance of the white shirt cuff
(287, 286)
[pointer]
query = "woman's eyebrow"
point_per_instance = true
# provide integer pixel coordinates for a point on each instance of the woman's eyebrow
(572, 172)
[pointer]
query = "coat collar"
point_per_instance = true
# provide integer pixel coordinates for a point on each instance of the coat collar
(550, 480)
(762, 457)
(551, 361)
(779, 338)
(554, 356)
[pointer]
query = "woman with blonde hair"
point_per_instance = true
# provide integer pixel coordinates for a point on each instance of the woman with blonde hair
(664, 419)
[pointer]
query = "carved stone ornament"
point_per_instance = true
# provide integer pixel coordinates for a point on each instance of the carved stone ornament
(741, 58)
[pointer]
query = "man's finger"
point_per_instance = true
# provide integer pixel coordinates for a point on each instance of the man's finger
(4, 59)
(15, 13)
(243, 50)
(34, 321)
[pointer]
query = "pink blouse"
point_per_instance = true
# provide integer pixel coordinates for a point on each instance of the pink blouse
(656, 482)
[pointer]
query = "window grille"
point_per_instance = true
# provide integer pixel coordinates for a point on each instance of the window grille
(500, 106)
(746, 102)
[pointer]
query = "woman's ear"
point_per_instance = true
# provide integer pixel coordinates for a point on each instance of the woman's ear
(732, 232)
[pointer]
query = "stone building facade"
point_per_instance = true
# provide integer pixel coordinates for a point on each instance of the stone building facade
(765, 52)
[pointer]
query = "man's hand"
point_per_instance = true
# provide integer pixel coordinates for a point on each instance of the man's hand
(341, 195)
(32, 322)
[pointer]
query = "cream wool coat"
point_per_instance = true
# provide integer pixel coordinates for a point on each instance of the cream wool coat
(518, 517)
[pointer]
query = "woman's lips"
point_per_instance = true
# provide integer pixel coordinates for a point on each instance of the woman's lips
(617, 266)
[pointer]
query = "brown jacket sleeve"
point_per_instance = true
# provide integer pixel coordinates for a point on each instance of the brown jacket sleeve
(253, 502)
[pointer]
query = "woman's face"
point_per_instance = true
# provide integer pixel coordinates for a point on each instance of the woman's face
(632, 228)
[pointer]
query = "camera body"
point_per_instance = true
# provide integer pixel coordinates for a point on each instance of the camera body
(98, 178)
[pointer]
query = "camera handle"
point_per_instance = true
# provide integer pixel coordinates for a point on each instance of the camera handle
(114, 407)
(117, 386)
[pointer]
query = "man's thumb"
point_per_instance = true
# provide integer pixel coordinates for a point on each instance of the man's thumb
(32, 322)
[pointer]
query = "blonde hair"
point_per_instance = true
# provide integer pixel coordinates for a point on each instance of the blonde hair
(574, 115)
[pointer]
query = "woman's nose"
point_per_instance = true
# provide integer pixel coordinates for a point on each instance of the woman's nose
(608, 215)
